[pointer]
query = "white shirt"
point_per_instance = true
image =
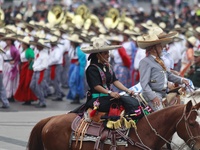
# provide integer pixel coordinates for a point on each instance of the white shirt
(117, 57)
(128, 47)
(41, 62)
(175, 51)
(140, 54)
(56, 56)
(1, 62)
(23, 57)
(72, 53)
(65, 42)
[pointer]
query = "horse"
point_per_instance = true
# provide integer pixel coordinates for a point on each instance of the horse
(153, 131)
(195, 97)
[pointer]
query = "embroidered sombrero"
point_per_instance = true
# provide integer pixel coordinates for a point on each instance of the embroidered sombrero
(99, 45)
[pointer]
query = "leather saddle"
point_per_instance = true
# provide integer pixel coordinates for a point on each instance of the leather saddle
(102, 134)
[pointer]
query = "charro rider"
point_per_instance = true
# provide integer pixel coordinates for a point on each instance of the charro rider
(100, 76)
(153, 72)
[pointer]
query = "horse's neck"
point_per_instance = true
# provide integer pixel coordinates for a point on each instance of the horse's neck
(164, 122)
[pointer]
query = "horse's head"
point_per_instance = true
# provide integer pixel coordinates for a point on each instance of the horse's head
(188, 128)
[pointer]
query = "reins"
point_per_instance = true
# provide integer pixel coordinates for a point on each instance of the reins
(140, 98)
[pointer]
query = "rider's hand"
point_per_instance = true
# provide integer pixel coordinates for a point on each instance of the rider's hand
(156, 101)
(185, 81)
(115, 95)
(130, 92)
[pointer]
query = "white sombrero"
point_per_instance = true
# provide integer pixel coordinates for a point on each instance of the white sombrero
(25, 40)
(160, 33)
(75, 38)
(40, 42)
(9, 37)
(1, 50)
(99, 45)
(192, 40)
(152, 39)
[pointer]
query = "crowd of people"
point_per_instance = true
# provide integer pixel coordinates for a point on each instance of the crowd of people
(42, 48)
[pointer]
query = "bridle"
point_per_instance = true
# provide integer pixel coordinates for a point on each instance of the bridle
(192, 139)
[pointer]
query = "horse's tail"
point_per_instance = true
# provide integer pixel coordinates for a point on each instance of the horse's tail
(35, 138)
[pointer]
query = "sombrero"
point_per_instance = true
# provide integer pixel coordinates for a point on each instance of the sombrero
(1, 50)
(40, 42)
(9, 37)
(114, 38)
(18, 17)
(99, 45)
(196, 53)
(197, 30)
(10, 29)
(192, 40)
(160, 33)
(75, 38)
(31, 24)
(152, 39)
(2, 31)
(25, 40)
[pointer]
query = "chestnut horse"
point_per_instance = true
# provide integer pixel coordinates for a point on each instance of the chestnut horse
(153, 131)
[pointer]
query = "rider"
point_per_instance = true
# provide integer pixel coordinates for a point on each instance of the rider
(153, 72)
(194, 72)
(100, 76)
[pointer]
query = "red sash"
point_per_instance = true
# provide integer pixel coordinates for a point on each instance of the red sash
(41, 76)
(53, 72)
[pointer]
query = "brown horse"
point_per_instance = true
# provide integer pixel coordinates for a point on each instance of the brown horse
(54, 133)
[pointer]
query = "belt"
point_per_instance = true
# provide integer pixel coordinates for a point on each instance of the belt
(8, 60)
(96, 95)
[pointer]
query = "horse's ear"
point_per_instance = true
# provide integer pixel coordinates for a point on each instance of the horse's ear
(189, 106)
(197, 106)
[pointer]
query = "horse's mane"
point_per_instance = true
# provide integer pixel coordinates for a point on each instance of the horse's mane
(166, 112)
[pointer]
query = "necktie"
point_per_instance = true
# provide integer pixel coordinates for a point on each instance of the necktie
(158, 60)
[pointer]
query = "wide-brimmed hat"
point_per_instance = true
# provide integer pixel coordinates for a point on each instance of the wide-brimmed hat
(25, 40)
(18, 17)
(197, 30)
(10, 29)
(160, 33)
(75, 38)
(9, 37)
(149, 24)
(2, 31)
(40, 42)
(53, 40)
(1, 50)
(31, 24)
(114, 38)
(192, 40)
(99, 45)
(178, 28)
(197, 53)
(152, 39)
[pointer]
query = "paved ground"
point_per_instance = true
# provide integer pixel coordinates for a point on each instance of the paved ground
(17, 121)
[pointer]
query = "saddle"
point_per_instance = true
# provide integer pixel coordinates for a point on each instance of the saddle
(98, 133)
